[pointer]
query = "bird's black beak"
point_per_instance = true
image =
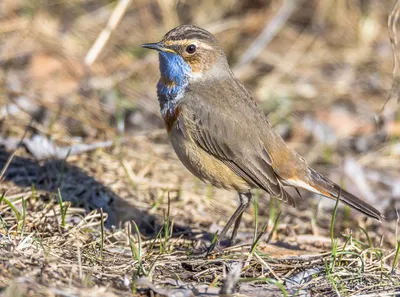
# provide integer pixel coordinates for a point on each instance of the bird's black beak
(158, 46)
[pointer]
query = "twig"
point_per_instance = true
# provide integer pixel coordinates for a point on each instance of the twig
(268, 267)
(78, 249)
(102, 234)
(271, 29)
(389, 108)
(105, 34)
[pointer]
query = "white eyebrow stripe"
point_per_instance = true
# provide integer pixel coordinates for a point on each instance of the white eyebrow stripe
(206, 46)
(202, 45)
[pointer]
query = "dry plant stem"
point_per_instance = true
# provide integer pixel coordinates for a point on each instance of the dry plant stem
(105, 34)
(389, 108)
(271, 29)
(268, 267)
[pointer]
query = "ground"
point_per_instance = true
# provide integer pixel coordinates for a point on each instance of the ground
(94, 202)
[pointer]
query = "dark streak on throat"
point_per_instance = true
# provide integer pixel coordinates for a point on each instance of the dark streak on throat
(171, 117)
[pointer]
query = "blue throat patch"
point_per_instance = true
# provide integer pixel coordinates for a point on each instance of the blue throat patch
(175, 70)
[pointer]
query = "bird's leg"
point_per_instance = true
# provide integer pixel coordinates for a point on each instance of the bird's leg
(245, 199)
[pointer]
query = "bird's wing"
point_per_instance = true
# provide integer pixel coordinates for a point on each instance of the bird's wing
(224, 136)
(227, 123)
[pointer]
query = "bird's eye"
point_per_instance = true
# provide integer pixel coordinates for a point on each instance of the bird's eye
(191, 49)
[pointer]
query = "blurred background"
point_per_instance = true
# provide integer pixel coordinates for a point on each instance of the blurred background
(322, 78)
(80, 123)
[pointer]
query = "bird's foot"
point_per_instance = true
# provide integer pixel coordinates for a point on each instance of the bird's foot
(206, 252)
(232, 242)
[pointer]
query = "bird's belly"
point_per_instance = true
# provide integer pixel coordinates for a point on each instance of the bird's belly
(203, 165)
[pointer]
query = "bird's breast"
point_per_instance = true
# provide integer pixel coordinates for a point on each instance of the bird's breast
(199, 162)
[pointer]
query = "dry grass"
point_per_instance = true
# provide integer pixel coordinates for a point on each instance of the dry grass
(132, 218)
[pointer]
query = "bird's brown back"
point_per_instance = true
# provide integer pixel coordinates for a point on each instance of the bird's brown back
(223, 118)
(230, 102)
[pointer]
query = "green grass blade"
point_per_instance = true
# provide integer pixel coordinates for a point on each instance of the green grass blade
(274, 227)
(255, 207)
(368, 237)
(140, 251)
(13, 208)
(333, 220)
(396, 257)
(61, 204)
(257, 239)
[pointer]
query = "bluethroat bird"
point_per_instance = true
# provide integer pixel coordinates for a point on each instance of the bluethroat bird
(221, 134)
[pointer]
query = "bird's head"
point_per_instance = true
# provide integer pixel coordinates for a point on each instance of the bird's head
(189, 52)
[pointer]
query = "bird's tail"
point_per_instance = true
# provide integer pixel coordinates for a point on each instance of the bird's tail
(329, 189)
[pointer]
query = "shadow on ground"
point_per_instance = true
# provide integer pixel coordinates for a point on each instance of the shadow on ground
(77, 187)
